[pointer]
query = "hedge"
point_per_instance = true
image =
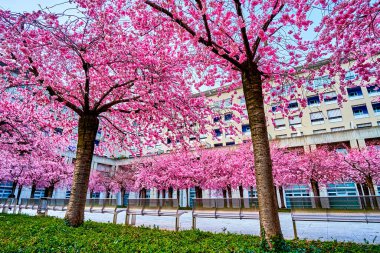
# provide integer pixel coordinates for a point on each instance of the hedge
(22, 233)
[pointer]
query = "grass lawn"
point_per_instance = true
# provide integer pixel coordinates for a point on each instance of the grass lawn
(22, 233)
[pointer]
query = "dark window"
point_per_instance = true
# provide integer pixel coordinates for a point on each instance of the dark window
(218, 132)
(58, 130)
(354, 92)
(376, 107)
(216, 119)
(228, 117)
(360, 110)
(293, 105)
(314, 100)
(218, 145)
(374, 89)
(168, 141)
(245, 128)
(96, 142)
(230, 143)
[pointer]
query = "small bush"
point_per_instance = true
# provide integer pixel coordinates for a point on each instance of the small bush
(21, 233)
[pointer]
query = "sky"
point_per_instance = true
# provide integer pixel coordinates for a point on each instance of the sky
(26, 5)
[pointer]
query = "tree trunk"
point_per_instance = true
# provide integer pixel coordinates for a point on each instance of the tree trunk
(170, 192)
(18, 194)
(275, 195)
(122, 195)
(315, 189)
(229, 192)
(365, 195)
(372, 193)
(269, 219)
(14, 185)
(178, 195)
(241, 191)
(164, 194)
(158, 194)
(33, 191)
(91, 192)
(187, 197)
(361, 195)
(108, 194)
(143, 193)
(87, 129)
(198, 192)
(282, 199)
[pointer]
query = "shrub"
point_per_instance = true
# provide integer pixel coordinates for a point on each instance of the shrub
(22, 233)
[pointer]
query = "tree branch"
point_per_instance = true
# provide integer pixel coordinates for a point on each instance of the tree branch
(243, 31)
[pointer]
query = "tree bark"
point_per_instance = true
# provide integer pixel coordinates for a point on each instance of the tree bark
(33, 191)
(316, 193)
(282, 199)
(164, 194)
(170, 192)
(187, 197)
(158, 194)
(372, 193)
(269, 219)
(198, 192)
(275, 196)
(178, 195)
(14, 186)
(122, 195)
(18, 194)
(87, 129)
(229, 192)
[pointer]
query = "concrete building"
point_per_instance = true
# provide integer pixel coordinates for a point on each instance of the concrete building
(355, 123)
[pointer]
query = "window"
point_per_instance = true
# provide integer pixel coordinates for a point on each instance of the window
(226, 103)
(364, 125)
(360, 111)
(293, 105)
(296, 134)
(218, 132)
(228, 117)
(192, 138)
(217, 104)
(342, 151)
(376, 108)
(5, 189)
(95, 195)
(373, 90)
(287, 89)
(319, 131)
(320, 82)
(297, 191)
(67, 195)
(279, 124)
(245, 114)
(355, 92)
(337, 129)
(334, 115)
(350, 75)
(39, 193)
(246, 129)
(281, 136)
(295, 122)
(242, 100)
(168, 141)
(313, 101)
(230, 143)
(378, 123)
(330, 97)
(342, 190)
(218, 144)
(216, 119)
(317, 118)
(275, 108)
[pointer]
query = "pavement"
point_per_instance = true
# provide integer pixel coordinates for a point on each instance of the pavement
(325, 231)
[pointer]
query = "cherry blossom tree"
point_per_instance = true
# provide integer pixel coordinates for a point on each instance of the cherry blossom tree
(99, 72)
(259, 44)
(363, 166)
(124, 180)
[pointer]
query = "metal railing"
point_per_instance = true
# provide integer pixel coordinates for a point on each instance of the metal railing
(225, 203)
(336, 202)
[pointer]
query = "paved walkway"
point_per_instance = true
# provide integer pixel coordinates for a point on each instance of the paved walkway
(340, 231)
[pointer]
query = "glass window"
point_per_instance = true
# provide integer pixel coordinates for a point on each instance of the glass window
(376, 108)
(313, 101)
(96, 195)
(228, 117)
(345, 189)
(276, 107)
(330, 97)
(334, 115)
(320, 82)
(230, 143)
(295, 122)
(279, 123)
(364, 125)
(5, 189)
(246, 129)
(360, 111)
(227, 103)
(350, 75)
(297, 191)
(281, 136)
(355, 92)
(218, 132)
(319, 131)
(337, 129)
(242, 100)
(293, 105)
(316, 118)
(218, 144)
(68, 193)
(39, 193)
(216, 119)
(373, 90)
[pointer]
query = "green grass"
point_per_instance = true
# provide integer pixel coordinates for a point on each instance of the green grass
(21, 233)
